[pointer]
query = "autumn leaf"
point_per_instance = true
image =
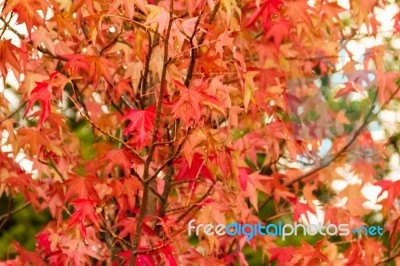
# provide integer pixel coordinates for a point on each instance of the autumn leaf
(85, 210)
(37, 140)
(44, 92)
(123, 158)
(191, 171)
(191, 102)
(8, 57)
(127, 226)
(308, 253)
(28, 12)
(90, 66)
(82, 187)
(142, 123)
(28, 257)
(392, 189)
(301, 209)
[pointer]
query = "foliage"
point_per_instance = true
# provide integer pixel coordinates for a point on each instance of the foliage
(139, 116)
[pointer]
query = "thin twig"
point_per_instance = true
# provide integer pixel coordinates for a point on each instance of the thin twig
(20, 208)
(104, 132)
(201, 40)
(13, 113)
(195, 205)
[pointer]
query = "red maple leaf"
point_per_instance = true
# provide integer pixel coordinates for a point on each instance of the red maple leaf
(82, 187)
(142, 122)
(123, 158)
(283, 254)
(7, 56)
(44, 92)
(300, 208)
(28, 257)
(85, 209)
(43, 242)
(128, 227)
(308, 253)
(393, 190)
(189, 105)
(191, 171)
(41, 93)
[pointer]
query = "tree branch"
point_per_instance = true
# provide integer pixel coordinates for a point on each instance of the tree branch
(195, 205)
(13, 113)
(337, 155)
(201, 40)
(105, 133)
(143, 207)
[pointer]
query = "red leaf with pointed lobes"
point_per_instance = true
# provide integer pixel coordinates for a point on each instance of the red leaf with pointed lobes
(128, 227)
(82, 187)
(278, 30)
(142, 122)
(43, 242)
(191, 171)
(189, 106)
(123, 158)
(265, 11)
(243, 177)
(27, 12)
(85, 210)
(28, 257)
(141, 259)
(283, 254)
(300, 208)
(44, 92)
(7, 56)
(311, 254)
(393, 190)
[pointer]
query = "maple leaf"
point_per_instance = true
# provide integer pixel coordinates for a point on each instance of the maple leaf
(28, 257)
(243, 177)
(283, 254)
(301, 208)
(308, 253)
(141, 259)
(76, 250)
(264, 11)
(141, 122)
(8, 56)
(27, 12)
(297, 12)
(85, 209)
(191, 170)
(189, 105)
(128, 227)
(36, 139)
(43, 242)
(93, 66)
(123, 158)
(278, 30)
(393, 190)
(157, 17)
(81, 186)
(44, 91)
(346, 90)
